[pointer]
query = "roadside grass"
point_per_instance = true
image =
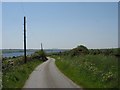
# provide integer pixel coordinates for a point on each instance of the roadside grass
(0, 80)
(90, 71)
(16, 77)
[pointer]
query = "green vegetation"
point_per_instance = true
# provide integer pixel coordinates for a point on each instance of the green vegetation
(40, 54)
(89, 70)
(17, 76)
(0, 80)
(83, 50)
(15, 72)
(0, 72)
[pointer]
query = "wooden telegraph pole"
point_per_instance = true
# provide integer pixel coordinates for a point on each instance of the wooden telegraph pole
(41, 47)
(25, 58)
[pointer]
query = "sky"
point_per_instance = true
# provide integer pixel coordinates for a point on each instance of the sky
(62, 25)
(60, 0)
(0, 25)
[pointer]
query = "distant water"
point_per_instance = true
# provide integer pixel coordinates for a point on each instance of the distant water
(15, 54)
(28, 53)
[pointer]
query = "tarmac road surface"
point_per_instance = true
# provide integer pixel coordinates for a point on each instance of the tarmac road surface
(47, 75)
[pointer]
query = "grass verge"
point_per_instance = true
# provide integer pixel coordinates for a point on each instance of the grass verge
(17, 76)
(90, 71)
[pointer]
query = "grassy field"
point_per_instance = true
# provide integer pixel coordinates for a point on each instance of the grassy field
(90, 71)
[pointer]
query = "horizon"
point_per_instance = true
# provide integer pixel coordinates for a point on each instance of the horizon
(61, 25)
(57, 48)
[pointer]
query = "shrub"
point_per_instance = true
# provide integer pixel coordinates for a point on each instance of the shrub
(117, 52)
(40, 55)
(79, 50)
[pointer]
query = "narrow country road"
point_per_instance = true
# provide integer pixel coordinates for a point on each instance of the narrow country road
(47, 75)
